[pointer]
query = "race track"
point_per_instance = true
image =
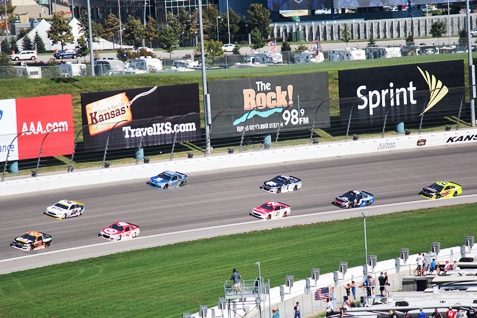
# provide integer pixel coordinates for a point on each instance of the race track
(226, 197)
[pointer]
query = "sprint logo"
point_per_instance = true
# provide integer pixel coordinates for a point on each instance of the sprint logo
(436, 88)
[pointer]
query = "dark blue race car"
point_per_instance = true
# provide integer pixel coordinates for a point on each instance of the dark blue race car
(168, 179)
(354, 199)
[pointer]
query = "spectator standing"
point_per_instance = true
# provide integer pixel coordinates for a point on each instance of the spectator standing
(353, 289)
(333, 296)
(436, 314)
(236, 279)
(348, 290)
(450, 313)
(433, 266)
(421, 314)
(459, 313)
(424, 265)
(471, 312)
(297, 310)
(387, 285)
(382, 282)
(419, 261)
(372, 283)
(407, 314)
(276, 313)
(367, 285)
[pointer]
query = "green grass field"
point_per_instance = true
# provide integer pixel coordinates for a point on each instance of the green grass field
(167, 281)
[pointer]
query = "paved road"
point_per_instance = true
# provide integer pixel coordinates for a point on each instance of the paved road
(226, 197)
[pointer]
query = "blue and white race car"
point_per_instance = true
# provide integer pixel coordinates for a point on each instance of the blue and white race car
(168, 179)
(354, 199)
(281, 184)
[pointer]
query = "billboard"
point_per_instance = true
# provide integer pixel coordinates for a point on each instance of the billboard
(260, 105)
(400, 93)
(276, 5)
(151, 116)
(28, 125)
(381, 3)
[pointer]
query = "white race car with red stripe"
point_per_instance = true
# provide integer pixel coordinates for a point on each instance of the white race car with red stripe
(271, 210)
(119, 231)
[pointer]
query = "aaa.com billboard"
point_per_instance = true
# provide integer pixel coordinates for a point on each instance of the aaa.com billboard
(260, 105)
(28, 125)
(140, 116)
(401, 93)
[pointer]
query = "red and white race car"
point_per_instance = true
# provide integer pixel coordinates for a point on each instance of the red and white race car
(271, 210)
(119, 231)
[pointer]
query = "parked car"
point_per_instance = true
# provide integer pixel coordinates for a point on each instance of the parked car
(441, 189)
(23, 55)
(168, 179)
(228, 47)
(65, 209)
(354, 199)
(271, 210)
(65, 54)
(281, 184)
(119, 231)
(31, 240)
(473, 32)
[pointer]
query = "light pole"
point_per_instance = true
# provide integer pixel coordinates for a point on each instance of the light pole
(228, 20)
(120, 25)
(208, 120)
(6, 22)
(365, 242)
(144, 23)
(217, 20)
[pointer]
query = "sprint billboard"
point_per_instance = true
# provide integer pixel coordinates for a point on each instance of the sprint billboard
(30, 124)
(262, 104)
(401, 93)
(142, 116)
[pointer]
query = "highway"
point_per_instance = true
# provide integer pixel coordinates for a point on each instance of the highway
(218, 200)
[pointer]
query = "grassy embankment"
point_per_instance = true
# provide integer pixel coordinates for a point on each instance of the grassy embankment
(167, 281)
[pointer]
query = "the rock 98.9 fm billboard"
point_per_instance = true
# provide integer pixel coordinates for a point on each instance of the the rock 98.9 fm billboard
(400, 93)
(151, 115)
(260, 105)
(28, 125)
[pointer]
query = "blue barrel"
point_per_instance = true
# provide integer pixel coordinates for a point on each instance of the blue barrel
(267, 140)
(13, 167)
(140, 154)
(400, 128)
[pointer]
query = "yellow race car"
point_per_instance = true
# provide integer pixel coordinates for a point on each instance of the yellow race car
(441, 189)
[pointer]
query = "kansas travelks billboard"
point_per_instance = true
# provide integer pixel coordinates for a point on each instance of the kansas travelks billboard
(400, 93)
(30, 124)
(260, 105)
(151, 115)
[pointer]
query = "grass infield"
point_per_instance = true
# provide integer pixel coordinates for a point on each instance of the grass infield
(167, 281)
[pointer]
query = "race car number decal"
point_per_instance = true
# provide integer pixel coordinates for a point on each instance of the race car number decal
(110, 231)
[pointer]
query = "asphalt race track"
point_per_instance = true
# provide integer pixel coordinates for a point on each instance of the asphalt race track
(219, 200)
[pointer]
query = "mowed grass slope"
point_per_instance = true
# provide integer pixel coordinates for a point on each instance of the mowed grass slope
(167, 281)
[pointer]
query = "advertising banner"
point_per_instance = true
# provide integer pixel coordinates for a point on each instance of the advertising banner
(46, 123)
(400, 93)
(147, 116)
(260, 105)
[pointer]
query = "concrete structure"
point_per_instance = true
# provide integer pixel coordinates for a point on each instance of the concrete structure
(381, 29)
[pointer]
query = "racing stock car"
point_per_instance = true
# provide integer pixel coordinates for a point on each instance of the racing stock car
(354, 199)
(281, 184)
(32, 240)
(441, 189)
(271, 210)
(168, 179)
(120, 230)
(65, 209)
